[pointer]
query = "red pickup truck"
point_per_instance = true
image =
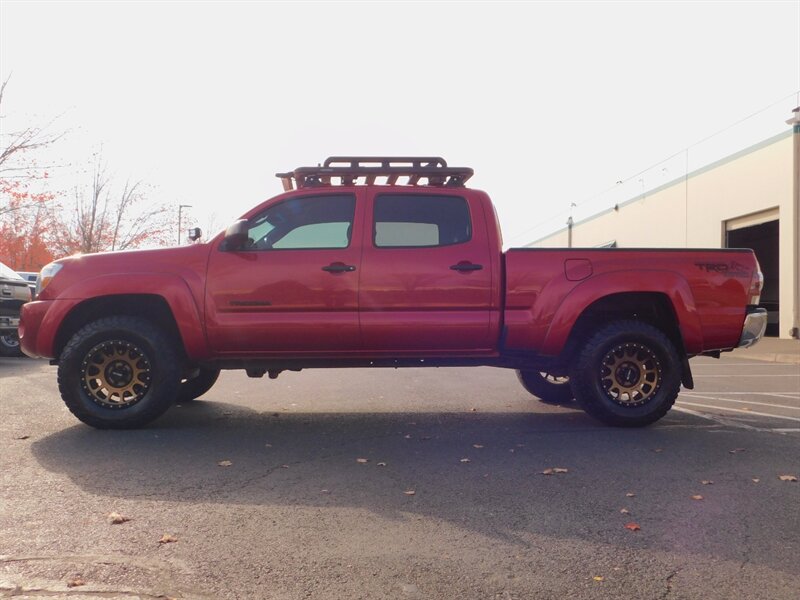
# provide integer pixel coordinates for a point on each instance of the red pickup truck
(386, 262)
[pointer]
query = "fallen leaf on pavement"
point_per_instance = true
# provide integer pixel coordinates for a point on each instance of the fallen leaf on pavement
(554, 470)
(362, 460)
(225, 463)
(624, 511)
(707, 482)
(756, 480)
(598, 578)
(697, 497)
(167, 539)
(633, 526)
(788, 477)
(115, 518)
(409, 492)
(76, 582)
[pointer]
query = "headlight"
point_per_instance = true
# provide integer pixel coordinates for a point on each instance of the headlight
(46, 276)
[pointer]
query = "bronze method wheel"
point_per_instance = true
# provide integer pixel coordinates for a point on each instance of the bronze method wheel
(630, 374)
(116, 374)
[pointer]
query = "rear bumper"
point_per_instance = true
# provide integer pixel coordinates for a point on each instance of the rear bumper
(755, 324)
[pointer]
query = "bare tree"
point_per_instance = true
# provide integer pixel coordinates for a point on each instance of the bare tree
(17, 166)
(103, 219)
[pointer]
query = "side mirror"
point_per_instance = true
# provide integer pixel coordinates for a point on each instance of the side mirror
(235, 235)
(195, 233)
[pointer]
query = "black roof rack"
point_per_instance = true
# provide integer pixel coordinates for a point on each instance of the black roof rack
(349, 170)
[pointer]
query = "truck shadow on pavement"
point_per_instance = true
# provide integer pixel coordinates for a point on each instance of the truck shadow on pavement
(478, 471)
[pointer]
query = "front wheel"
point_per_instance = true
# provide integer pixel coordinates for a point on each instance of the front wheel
(550, 389)
(9, 344)
(119, 373)
(628, 374)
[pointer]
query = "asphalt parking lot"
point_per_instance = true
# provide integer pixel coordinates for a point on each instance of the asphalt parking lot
(418, 483)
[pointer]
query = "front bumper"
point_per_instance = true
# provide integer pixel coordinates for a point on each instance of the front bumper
(8, 324)
(39, 322)
(755, 324)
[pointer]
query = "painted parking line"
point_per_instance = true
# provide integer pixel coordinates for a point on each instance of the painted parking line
(796, 376)
(753, 402)
(792, 395)
(739, 364)
(739, 410)
(725, 422)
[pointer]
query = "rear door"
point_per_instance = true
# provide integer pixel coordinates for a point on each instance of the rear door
(294, 288)
(426, 277)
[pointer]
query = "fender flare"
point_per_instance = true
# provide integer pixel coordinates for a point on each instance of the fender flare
(671, 284)
(171, 288)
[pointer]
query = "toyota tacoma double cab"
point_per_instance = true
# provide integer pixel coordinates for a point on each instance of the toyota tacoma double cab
(386, 262)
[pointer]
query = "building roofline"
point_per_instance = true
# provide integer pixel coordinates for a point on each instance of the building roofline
(678, 180)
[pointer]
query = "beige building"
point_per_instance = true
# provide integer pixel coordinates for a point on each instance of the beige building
(750, 199)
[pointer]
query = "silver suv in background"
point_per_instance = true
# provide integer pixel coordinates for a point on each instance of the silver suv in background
(14, 292)
(31, 278)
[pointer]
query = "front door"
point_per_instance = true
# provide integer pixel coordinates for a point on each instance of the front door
(293, 288)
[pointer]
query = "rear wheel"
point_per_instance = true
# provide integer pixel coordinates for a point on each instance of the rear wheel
(550, 389)
(119, 373)
(628, 374)
(198, 385)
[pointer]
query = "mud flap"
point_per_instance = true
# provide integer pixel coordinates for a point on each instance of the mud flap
(686, 373)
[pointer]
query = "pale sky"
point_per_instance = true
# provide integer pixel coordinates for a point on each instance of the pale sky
(550, 103)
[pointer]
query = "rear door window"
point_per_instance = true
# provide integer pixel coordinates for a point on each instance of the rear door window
(420, 221)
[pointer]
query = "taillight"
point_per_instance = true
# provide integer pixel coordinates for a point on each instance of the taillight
(756, 285)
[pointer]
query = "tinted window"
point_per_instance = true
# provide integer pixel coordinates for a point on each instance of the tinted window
(420, 221)
(308, 222)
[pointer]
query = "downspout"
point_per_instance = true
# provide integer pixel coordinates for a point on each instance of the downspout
(569, 232)
(795, 257)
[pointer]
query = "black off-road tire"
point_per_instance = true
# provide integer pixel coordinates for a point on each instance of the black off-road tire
(547, 388)
(136, 345)
(628, 374)
(9, 345)
(198, 385)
